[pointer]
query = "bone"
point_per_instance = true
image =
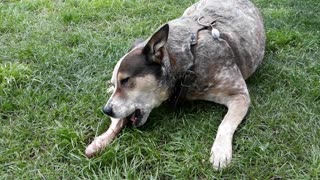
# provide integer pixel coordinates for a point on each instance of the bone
(99, 143)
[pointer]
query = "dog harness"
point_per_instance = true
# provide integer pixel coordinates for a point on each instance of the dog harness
(189, 76)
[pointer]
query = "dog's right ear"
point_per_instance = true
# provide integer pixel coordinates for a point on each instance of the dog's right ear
(154, 48)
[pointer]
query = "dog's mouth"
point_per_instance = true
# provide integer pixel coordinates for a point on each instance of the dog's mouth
(136, 117)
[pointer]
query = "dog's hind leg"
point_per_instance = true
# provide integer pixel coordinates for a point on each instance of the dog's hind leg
(221, 151)
(100, 142)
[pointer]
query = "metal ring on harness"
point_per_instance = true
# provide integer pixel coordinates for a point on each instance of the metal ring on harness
(206, 25)
(214, 32)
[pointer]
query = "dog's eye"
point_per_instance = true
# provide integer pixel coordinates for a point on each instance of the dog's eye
(124, 81)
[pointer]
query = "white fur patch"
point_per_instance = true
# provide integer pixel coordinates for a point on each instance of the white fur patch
(221, 151)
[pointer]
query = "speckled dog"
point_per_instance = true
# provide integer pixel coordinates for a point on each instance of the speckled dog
(204, 55)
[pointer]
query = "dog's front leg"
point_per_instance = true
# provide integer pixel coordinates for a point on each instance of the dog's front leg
(100, 142)
(221, 151)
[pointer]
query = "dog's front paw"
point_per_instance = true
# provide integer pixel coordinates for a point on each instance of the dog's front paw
(221, 154)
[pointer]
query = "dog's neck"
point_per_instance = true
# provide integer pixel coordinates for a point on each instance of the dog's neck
(179, 75)
(181, 58)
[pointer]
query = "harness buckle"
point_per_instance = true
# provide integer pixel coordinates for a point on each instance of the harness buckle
(188, 78)
(193, 40)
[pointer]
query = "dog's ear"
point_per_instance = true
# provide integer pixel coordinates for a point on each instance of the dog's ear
(154, 48)
(136, 43)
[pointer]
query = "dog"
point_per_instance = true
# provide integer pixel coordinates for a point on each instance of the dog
(206, 54)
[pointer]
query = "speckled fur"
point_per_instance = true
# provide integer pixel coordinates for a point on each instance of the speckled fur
(223, 64)
(240, 46)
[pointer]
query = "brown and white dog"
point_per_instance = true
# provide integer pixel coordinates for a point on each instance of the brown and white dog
(219, 43)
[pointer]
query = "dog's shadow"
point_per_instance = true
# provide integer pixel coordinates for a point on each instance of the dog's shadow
(198, 114)
(189, 114)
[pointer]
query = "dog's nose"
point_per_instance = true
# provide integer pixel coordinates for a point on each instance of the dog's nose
(108, 110)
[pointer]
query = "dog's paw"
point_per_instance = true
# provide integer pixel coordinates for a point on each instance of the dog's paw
(221, 154)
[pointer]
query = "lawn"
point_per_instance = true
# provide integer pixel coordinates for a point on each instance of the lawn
(55, 59)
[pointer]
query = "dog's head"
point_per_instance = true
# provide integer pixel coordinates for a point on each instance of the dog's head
(138, 80)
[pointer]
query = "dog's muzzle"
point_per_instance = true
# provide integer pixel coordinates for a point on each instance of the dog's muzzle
(137, 118)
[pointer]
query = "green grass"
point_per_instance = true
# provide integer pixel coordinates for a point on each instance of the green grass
(55, 57)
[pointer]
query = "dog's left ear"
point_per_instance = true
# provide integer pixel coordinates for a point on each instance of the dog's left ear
(154, 48)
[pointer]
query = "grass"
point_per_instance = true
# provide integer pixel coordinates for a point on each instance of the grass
(55, 57)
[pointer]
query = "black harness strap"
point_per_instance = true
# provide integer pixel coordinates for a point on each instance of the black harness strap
(189, 76)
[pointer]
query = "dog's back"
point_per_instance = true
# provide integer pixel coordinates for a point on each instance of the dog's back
(242, 36)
